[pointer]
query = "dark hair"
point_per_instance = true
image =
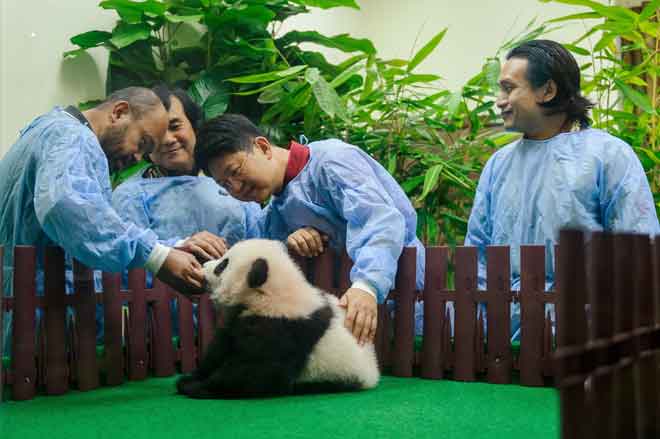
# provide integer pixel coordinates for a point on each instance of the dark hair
(222, 135)
(192, 111)
(140, 100)
(550, 60)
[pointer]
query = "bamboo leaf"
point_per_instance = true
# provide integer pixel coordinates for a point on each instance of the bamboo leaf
(577, 49)
(650, 9)
(640, 100)
(425, 51)
(413, 79)
(341, 42)
(265, 77)
(431, 180)
(581, 16)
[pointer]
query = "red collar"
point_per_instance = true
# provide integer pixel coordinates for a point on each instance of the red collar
(298, 158)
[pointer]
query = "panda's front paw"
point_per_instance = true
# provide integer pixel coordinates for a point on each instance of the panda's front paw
(187, 384)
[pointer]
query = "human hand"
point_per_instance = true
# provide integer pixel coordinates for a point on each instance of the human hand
(182, 272)
(306, 242)
(361, 314)
(205, 246)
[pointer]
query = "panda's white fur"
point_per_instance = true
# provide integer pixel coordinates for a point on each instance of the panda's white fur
(283, 293)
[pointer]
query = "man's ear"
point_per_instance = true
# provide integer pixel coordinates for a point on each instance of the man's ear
(120, 109)
(548, 91)
(258, 273)
(263, 145)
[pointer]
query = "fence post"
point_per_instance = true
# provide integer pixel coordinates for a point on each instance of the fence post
(572, 285)
(163, 351)
(435, 285)
(625, 391)
(532, 317)
(23, 333)
(404, 318)
(186, 333)
(643, 293)
(499, 315)
(137, 330)
(601, 299)
(57, 379)
(112, 333)
(206, 323)
(465, 313)
(88, 372)
(2, 320)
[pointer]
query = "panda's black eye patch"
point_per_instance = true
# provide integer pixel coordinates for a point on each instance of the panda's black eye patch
(220, 267)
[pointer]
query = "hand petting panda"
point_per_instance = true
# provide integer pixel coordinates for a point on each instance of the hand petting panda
(281, 334)
(361, 306)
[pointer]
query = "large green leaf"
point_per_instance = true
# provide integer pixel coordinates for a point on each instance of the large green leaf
(91, 39)
(426, 50)
(250, 17)
(269, 76)
(327, 4)
(205, 86)
(640, 100)
(216, 104)
(173, 18)
(341, 42)
(132, 11)
(126, 34)
(325, 95)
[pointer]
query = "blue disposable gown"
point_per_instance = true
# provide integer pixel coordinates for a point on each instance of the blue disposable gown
(55, 190)
(182, 206)
(347, 195)
(530, 189)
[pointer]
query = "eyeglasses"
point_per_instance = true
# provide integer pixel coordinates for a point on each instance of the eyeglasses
(234, 176)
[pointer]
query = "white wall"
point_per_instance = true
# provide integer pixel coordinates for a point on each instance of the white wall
(35, 33)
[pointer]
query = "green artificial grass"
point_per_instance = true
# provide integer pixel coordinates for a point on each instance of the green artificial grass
(399, 407)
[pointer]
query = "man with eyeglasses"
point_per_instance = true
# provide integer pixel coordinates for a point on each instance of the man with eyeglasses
(326, 189)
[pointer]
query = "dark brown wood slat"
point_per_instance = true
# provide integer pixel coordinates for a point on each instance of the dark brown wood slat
(2, 324)
(644, 316)
(465, 313)
(137, 340)
(499, 315)
(323, 269)
(434, 312)
(57, 380)
(163, 351)
(571, 282)
(532, 287)
(206, 322)
(404, 333)
(112, 334)
(88, 370)
(601, 298)
(625, 391)
(23, 331)
(186, 333)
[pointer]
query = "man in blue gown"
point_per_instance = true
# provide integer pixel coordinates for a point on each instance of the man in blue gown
(330, 186)
(561, 173)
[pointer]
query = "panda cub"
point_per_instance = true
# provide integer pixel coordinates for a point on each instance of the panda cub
(281, 334)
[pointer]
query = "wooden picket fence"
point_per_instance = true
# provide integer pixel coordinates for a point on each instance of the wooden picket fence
(608, 359)
(61, 353)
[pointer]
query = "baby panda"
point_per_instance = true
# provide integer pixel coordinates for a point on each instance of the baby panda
(281, 334)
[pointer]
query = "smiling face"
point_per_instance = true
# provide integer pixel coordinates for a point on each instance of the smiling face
(176, 153)
(126, 137)
(518, 100)
(247, 176)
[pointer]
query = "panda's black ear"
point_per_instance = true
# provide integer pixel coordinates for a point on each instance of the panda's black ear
(258, 273)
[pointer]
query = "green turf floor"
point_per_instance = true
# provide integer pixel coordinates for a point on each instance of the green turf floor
(398, 408)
